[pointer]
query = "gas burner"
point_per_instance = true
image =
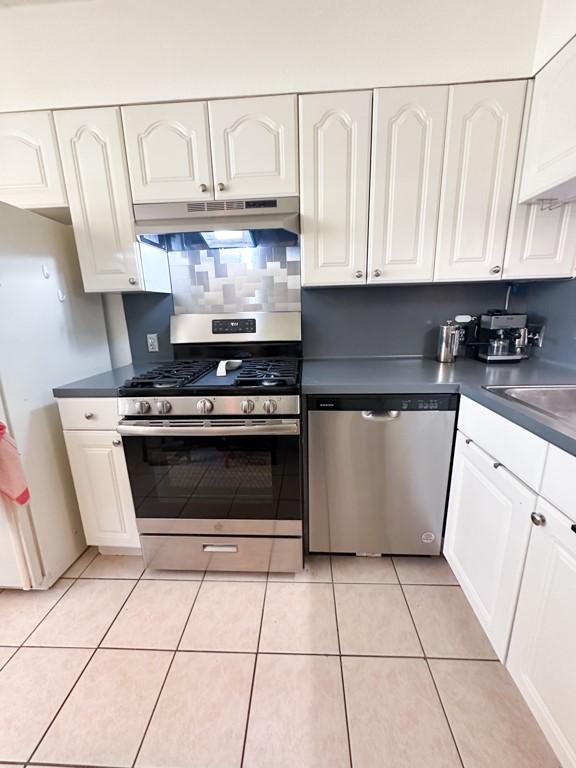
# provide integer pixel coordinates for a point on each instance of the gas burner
(172, 375)
(268, 373)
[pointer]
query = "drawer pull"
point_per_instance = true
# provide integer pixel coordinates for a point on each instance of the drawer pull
(498, 464)
(469, 441)
(224, 548)
(88, 415)
(573, 528)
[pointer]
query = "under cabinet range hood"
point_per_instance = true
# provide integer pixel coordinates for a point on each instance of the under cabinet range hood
(282, 213)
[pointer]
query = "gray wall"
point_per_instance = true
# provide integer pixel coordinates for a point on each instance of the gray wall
(388, 319)
(148, 313)
(553, 303)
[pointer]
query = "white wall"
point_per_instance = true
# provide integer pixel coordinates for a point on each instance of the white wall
(66, 53)
(557, 26)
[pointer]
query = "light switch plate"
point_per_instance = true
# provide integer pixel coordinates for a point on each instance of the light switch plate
(152, 342)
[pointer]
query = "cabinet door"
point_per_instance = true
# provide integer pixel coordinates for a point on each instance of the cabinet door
(30, 169)
(481, 150)
(541, 659)
(550, 158)
(407, 149)
(168, 152)
(92, 148)
(335, 171)
(254, 147)
(487, 532)
(103, 488)
(541, 239)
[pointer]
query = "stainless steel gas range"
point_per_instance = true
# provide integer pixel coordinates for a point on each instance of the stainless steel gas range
(212, 443)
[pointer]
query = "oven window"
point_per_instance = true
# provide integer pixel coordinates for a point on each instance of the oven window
(248, 477)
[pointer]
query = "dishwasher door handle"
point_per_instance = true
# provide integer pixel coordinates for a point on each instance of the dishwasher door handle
(381, 416)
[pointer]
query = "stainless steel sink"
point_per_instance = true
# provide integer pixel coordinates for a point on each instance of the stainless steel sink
(555, 401)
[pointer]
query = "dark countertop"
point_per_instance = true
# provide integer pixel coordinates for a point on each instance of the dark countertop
(357, 376)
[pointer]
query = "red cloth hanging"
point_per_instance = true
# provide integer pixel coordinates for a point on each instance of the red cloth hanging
(12, 481)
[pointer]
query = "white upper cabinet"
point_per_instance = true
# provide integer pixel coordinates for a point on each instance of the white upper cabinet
(481, 150)
(541, 237)
(30, 169)
(254, 147)
(335, 169)
(487, 531)
(168, 152)
(407, 148)
(542, 659)
(92, 148)
(550, 162)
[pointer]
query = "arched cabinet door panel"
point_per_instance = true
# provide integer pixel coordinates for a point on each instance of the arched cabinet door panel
(167, 147)
(480, 156)
(30, 167)
(407, 148)
(335, 167)
(254, 147)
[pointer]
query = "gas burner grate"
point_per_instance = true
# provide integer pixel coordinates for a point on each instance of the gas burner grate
(268, 373)
(171, 375)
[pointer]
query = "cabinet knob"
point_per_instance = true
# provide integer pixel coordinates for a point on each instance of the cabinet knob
(221, 187)
(377, 273)
(498, 464)
(116, 441)
(537, 518)
(469, 441)
(203, 188)
(495, 270)
(132, 280)
(88, 415)
(359, 273)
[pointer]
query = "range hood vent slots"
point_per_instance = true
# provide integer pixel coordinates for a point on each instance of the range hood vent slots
(204, 216)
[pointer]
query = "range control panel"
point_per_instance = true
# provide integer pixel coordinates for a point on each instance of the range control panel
(377, 403)
(243, 325)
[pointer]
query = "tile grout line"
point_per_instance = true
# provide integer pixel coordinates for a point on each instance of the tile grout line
(341, 665)
(43, 619)
(448, 723)
(254, 671)
(51, 723)
(161, 689)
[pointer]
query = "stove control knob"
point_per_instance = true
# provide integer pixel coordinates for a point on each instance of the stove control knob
(163, 406)
(141, 406)
(247, 406)
(205, 406)
(270, 406)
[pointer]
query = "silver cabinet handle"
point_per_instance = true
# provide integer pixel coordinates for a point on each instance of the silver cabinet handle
(88, 415)
(359, 273)
(203, 188)
(132, 280)
(537, 518)
(498, 464)
(116, 441)
(226, 548)
(469, 441)
(221, 187)
(383, 416)
(495, 270)
(377, 273)
(208, 429)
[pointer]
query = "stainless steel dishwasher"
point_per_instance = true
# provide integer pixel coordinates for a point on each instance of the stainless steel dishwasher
(378, 472)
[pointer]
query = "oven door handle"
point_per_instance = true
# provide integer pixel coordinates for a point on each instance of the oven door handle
(149, 430)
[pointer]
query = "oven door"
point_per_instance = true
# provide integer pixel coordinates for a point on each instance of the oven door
(215, 477)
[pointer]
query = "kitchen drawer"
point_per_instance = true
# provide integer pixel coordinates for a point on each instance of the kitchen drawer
(559, 481)
(521, 452)
(89, 412)
(199, 553)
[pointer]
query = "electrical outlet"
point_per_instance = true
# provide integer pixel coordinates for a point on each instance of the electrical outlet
(152, 342)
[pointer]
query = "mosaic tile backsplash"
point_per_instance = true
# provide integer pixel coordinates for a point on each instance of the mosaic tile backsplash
(264, 279)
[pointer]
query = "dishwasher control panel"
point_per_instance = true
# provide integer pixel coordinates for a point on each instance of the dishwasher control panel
(400, 402)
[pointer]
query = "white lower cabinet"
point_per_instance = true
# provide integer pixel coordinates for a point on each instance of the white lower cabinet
(542, 658)
(103, 488)
(487, 533)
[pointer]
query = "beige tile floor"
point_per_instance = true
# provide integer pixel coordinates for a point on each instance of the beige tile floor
(352, 663)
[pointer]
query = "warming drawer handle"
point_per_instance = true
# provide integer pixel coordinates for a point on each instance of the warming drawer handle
(225, 548)
(382, 416)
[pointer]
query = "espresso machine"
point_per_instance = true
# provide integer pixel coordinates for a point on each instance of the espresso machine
(505, 337)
